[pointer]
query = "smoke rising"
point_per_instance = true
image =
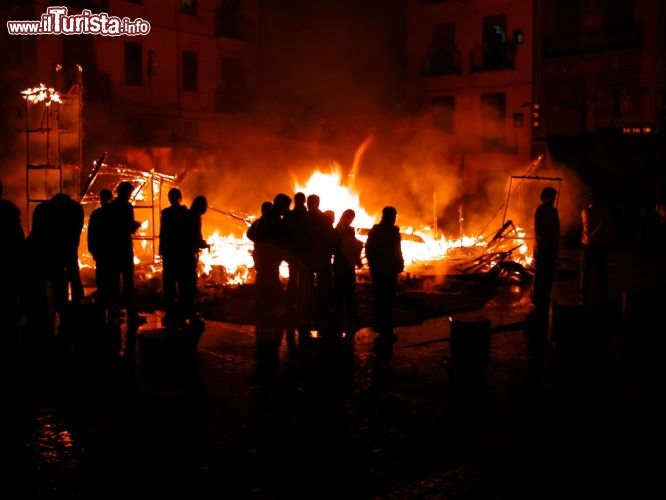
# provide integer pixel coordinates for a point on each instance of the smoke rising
(334, 82)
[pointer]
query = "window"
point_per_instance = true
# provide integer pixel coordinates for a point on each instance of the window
(229, 21)
(494, 42)
(188, 6)
(190, 71)
(442, 55)
(443, 108)
(230, 94)
(493, 120)
(133, 63)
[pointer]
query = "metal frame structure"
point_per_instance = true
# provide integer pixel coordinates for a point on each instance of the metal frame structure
(529, 177)
(45, 134)
(146, 197)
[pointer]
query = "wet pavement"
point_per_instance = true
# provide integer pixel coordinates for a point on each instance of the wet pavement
(213, 416)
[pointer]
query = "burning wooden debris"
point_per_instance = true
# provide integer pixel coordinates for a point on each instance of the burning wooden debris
(229, 260)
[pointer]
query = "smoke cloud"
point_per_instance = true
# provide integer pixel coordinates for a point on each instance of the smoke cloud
(333, 83)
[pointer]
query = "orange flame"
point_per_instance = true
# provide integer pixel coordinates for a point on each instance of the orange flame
(229, 260)
(41, 94)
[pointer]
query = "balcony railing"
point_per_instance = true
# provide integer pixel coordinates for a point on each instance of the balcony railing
(499, 58)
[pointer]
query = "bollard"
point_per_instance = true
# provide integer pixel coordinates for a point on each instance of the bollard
(470, 344)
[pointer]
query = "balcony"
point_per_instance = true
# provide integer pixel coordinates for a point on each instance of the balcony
(499, 57)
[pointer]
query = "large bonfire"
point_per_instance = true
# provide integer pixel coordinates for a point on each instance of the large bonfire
(426, 250)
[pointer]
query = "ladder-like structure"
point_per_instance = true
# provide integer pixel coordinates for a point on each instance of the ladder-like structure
(53, 131)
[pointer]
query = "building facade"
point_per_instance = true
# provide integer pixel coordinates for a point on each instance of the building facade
(600, 82)
(579, 82)
(470, 66)
(173, 86)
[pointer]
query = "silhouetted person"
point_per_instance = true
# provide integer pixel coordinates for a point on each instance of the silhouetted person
(269, 252)
(383, 250)
(296, 228)
(177, 257)
(598, 235)
(318, 276)
(12, 264)
(251, 233)
(196, 241)
(330, 217)
(546, 247)
(38, 308)
(346, 258)
(65, 225)
(53, 274)
(123, 226)
(100, 246)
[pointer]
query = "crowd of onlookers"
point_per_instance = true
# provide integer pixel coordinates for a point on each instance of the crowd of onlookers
(322, 258)
(42, 277)
(41, 268)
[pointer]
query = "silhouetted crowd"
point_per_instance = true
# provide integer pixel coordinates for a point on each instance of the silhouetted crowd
(42, 285)
(322, 257)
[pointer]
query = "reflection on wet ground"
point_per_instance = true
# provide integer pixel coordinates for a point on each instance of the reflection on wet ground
(216, 415)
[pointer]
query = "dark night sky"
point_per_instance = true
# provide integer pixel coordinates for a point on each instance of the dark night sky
(346, 56)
